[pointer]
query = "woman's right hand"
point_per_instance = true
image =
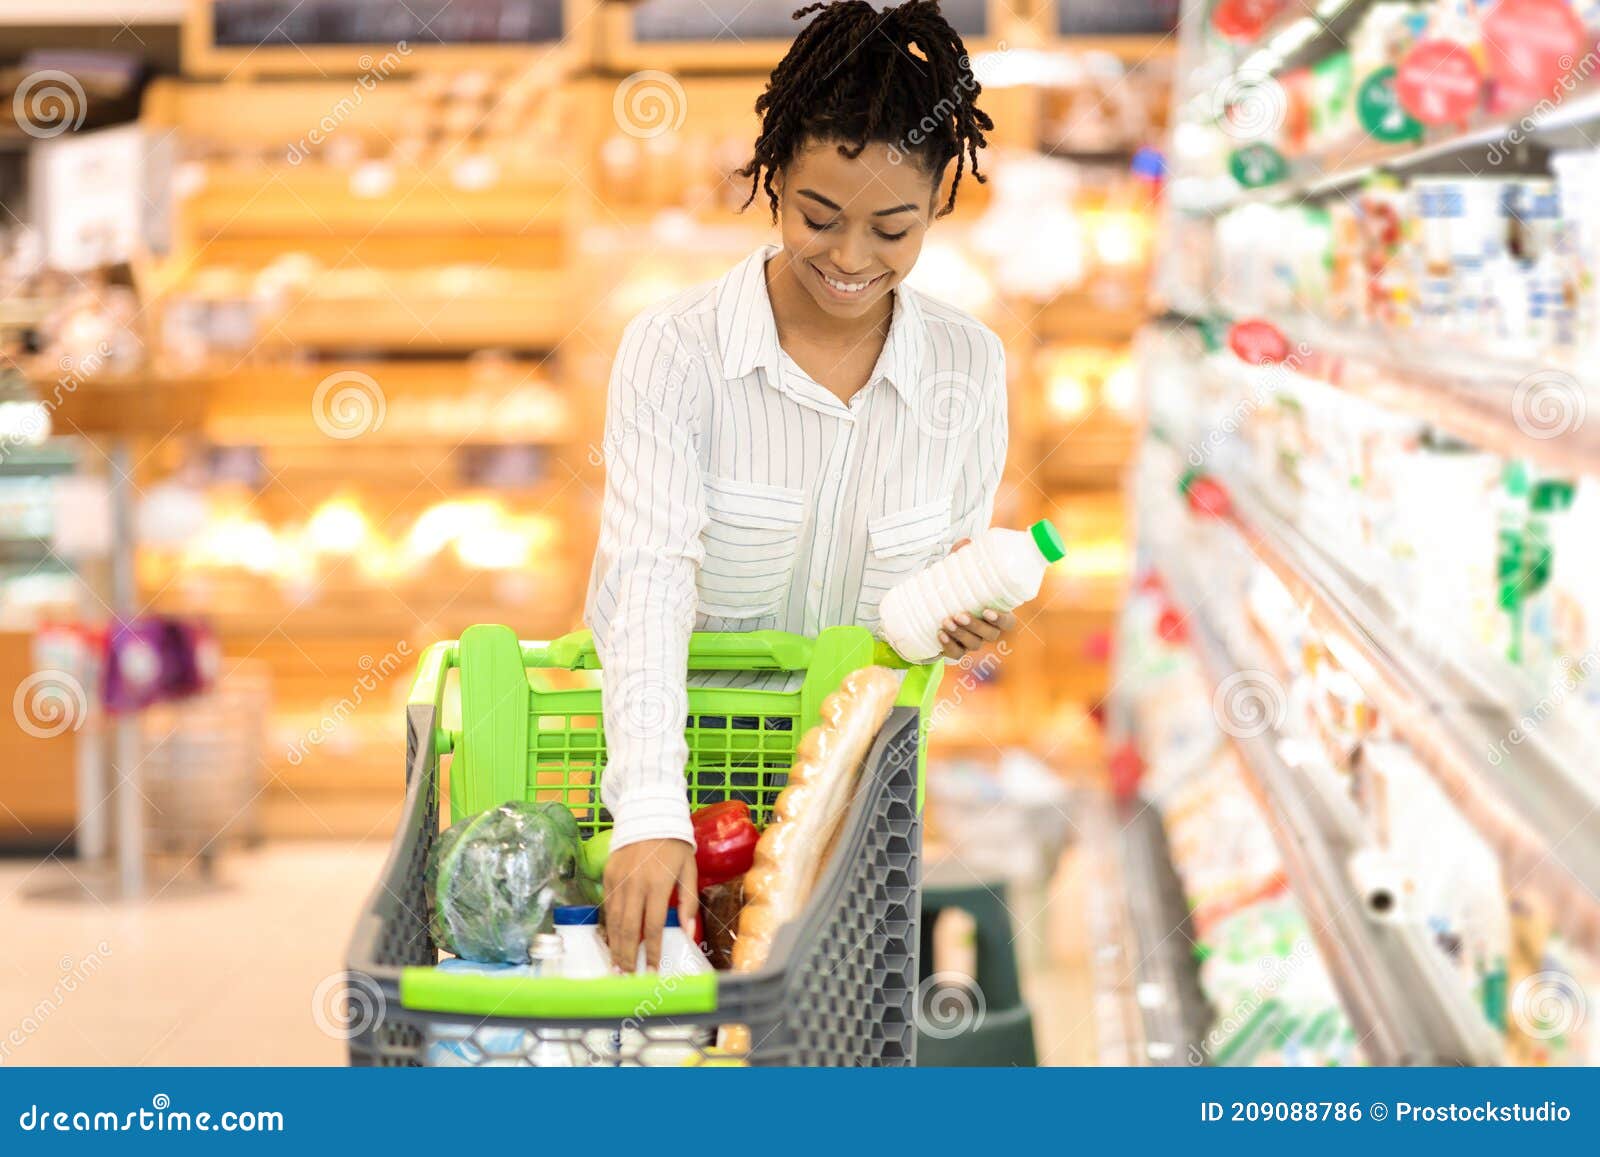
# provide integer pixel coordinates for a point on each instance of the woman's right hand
(639, 880)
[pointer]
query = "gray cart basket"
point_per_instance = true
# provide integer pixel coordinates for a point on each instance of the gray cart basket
(839, 987)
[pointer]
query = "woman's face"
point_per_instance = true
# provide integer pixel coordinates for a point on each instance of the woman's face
(852, 229)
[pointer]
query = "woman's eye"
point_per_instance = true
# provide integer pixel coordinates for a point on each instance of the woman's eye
(814, 225)
(893, 236)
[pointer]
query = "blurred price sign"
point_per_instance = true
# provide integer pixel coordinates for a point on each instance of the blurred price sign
(1257, 165)
(1382, 115)
(309, 23)
(1532, 45)
(1439, 82)
(1243, 20)
(1258, 343)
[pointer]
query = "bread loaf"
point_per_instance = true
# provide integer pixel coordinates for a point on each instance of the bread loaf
(808, 812)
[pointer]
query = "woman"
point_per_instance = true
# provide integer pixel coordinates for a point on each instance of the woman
(787, 443)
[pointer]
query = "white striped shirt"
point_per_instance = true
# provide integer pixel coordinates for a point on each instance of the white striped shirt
(741, 495)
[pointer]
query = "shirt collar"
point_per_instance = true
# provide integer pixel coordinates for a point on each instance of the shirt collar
(747, 333)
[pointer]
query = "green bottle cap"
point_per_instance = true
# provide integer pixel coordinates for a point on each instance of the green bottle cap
(1049, 541)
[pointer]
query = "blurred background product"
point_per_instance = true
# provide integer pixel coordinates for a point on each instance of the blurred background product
(307, 311)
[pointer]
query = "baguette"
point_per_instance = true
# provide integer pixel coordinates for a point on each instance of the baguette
(808, 812)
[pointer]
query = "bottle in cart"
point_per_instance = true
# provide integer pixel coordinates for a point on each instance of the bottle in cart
(999, 570)
(637, 1041)
(552, 1048)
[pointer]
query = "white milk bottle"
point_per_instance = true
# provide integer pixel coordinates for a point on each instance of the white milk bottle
(587, 955)
(999, 570)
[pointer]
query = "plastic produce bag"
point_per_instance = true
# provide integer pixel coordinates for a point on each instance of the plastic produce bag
(496, 877)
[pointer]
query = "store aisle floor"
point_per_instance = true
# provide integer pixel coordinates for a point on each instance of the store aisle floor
(91, 983)
(1060, 986)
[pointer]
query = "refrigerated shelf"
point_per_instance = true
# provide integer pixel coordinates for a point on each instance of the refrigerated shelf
(1488, 400)
(1539, 806)
(1563, 125)
(1166, 988)
(1405, 1006)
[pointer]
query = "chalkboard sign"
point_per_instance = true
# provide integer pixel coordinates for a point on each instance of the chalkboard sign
(669, 21)
(324, 23)
(1116, 17)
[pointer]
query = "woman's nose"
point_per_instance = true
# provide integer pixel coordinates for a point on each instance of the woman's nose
(850, 257)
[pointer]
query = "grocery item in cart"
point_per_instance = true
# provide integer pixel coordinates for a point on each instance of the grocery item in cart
(587, 954)
(809, 810)
(496, 877)
(724, 842)
(471, 1045)
(476, 1045)
(1000, 570)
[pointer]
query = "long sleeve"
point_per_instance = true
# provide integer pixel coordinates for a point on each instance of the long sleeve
(642, 592)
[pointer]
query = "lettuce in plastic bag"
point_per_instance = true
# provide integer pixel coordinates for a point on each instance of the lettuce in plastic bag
(496, 877)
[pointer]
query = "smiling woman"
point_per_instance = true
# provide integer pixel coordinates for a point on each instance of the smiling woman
(788, 443)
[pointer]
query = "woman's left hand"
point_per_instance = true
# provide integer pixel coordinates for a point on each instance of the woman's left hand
(965, 633)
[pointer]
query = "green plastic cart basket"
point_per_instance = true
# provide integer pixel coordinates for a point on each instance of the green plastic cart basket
(839, 986)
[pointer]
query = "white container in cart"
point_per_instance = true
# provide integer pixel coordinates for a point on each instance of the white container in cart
(467, 1044)
(998, 571)
(587, 955)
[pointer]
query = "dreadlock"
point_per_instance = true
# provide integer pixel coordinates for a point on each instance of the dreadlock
(850, 76)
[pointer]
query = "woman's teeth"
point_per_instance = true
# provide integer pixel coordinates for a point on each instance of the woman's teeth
(846, 286)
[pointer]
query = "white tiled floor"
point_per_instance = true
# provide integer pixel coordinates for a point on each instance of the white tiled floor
(189, 977)
(227, 975)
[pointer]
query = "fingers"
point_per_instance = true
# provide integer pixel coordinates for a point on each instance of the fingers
(959, 545)
(655, 919)
(624, 916)
(970, 633)
(688, 896)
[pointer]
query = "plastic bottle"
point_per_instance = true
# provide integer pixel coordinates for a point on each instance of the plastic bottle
(468, 1044)
(587, 955)
(586, 952)
(1000, 570)
(553, 1048)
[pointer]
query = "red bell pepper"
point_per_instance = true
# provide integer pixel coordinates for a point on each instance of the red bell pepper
(724, 842)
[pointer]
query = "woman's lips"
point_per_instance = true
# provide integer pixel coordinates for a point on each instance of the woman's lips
(834, 285)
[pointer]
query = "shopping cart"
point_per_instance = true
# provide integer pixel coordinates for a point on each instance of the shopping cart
(839, 985)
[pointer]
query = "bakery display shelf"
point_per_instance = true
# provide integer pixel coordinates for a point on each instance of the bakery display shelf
(1166, 990)
(1521, 137)
(1406, 1008)
(116, 404)
(1539, 805)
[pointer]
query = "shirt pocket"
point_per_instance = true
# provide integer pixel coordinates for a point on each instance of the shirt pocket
(900, 544)
(751, 537)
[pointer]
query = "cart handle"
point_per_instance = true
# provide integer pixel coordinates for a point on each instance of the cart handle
(708, 651)
(638, 995)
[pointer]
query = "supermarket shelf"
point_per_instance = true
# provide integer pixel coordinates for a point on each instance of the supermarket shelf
(1473, 394)
(1167, 993)
(1451, 152)
(1539, 804)
(1395, 987)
